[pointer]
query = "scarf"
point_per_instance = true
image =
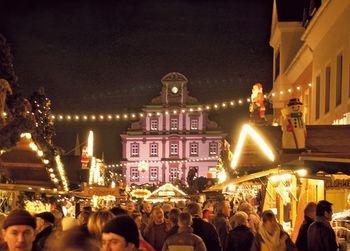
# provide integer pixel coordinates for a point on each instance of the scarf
(274, 242)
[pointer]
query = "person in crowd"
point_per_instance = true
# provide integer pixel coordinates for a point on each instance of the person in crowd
(117, 211)
(44, 227)
(207, 215)
(130, 207)
(181, 205)
(68, 223)
(120, 234)
(74, 239)
(184, 239)
(83, 219)
(320, 235)
(96, 222)
(173, 222)
(253, 218)
(220, 221)
(271, 236)
(144, 245)
(155, 232)
(240, 238)
(166, 209)
(309, 218)
(204, 229)
(146, 214)
(19, 230)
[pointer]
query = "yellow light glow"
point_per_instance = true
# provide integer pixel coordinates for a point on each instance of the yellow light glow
(298, 88)
(183, 110)
(216, 106)
(45, 161)
(93, 117)
(174, 111)
(133, 115)
(125, 116)
(101, 117)
(207, 107)
(289, 90)
(232, 103)
(109, 116)
(302, 172)
(141, 115)
(248, 130)
(281, 92)
(240, 101)
(33, 146)
(273, 94)
(40, 153)
(231, 187)
(90, 146)
(69, 117)
(222, 176)
(76, 117)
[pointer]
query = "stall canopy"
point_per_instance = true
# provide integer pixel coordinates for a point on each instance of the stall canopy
(167, 192)
(21, 168)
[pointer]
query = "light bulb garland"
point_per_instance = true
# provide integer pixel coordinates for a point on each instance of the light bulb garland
(137, 115)
(108, 117)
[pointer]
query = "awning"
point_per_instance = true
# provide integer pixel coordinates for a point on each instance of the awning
(244, 178)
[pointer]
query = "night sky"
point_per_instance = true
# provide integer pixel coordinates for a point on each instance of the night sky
(109, 56)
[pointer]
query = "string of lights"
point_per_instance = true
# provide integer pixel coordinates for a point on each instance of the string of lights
(122, 116)
(137, 115)
(163, 161)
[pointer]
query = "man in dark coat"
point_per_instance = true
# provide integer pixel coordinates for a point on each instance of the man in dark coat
(204, 229)
(220, 221)
(240, 238)
(321, 236)
(45, 222)
(309, 217)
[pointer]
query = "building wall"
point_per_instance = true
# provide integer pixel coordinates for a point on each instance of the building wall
(326, 36)
(335, 42)
(142, 135)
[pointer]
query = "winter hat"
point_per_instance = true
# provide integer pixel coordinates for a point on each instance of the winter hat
(19, 217)
(47, 216)
(125, 227)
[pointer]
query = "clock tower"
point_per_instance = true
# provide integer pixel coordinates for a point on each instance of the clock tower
(174, 91)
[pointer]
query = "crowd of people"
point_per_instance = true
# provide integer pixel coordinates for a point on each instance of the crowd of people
(167, 227)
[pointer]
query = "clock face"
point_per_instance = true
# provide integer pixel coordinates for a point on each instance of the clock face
(174, 90)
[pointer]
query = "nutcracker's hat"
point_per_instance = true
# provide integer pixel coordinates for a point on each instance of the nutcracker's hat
(294, 101)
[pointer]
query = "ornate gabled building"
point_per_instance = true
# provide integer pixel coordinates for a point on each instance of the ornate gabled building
(174, 136)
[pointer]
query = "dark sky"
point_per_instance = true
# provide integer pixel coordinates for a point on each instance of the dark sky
(109, 56)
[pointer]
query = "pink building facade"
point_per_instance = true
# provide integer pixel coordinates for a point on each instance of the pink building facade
(172, 137)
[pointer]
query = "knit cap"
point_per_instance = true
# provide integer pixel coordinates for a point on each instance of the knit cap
(46, 216)
(124, 226)
(19, 217)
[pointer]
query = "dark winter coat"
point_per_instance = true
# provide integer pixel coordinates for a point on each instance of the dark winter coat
(207, 232)
(155, 235)
(301, 241)
(184, 240)
(40, 239)
(239, 239)
(321, 236)
(222, 227)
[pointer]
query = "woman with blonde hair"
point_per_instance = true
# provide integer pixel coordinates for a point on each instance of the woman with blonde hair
(96, 222)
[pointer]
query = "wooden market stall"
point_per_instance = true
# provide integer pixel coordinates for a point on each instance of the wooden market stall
(293, 179)
(167, 192)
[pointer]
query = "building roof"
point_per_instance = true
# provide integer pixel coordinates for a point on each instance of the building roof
(290, 11)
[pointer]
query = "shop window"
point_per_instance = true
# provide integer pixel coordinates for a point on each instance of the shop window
(212, 172)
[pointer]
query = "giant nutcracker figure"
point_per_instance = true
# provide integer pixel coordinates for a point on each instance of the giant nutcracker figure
(257, 106)
(294, 130)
